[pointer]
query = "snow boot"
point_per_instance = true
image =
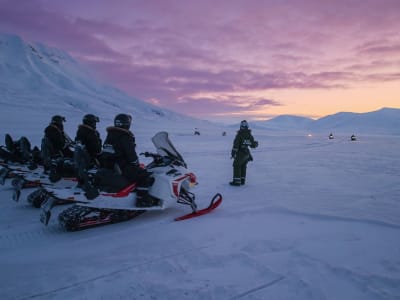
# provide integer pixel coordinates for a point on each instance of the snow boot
(91, 192)
(144, 199)
(234, 183)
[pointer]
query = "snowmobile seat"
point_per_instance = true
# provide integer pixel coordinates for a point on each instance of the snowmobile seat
(9, 143)
(20, 151)
(5, 154)
(109, 181)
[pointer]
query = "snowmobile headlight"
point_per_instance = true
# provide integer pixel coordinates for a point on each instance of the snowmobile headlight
(192, 179)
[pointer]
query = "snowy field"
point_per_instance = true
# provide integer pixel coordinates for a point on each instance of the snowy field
(317, 219)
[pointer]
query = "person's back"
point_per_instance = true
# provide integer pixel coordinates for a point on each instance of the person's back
(88, 136)
(54, 133)
(55, 152)
(123, 143)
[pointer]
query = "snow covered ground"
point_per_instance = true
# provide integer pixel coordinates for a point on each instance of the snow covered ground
(317, 219)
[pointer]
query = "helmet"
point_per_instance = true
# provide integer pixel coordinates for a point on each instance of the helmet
(123, 121)
(58, 120)
(244, 125)
(90, 120)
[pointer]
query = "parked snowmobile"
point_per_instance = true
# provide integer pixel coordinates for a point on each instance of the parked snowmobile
(172, 182)
(22, 176)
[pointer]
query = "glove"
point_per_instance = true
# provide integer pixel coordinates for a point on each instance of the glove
(255, 144)
(233, 154)
(134, 163)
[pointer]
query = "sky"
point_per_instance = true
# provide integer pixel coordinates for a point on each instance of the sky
(228, 60)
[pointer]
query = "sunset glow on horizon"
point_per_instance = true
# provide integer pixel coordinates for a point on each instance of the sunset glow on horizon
(228, 60)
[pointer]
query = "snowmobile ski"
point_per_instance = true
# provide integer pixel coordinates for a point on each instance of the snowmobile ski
(3, 175)
(215, 202)
(22, 182)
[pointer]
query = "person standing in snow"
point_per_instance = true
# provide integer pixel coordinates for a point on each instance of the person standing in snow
(88, 136)
(241, 153)
(126, 160)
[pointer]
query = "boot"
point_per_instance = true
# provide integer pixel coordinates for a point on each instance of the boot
(144, 199)
(235, 183)
(242, 181)
(55, 171)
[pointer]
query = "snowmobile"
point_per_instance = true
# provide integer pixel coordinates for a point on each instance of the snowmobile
(25, 177)
(172, 182)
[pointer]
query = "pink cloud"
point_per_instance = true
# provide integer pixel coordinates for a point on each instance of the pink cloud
(170, 50)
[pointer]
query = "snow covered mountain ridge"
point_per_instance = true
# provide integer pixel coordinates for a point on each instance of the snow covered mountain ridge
(37, 81)
(383, 121)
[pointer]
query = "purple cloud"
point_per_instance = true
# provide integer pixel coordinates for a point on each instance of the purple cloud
(171, 52)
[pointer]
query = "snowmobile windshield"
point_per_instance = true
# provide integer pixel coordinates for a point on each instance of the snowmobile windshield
(165, 148)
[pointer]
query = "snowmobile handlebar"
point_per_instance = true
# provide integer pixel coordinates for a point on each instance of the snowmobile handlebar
(149, 154)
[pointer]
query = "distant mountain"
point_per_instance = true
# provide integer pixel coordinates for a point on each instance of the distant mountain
(37, 81)
(383, 121)
(287, 122)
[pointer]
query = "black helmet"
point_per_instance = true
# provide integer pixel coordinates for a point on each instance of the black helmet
(244, 125)
(90, 120)
(58, 120)
(123, 121)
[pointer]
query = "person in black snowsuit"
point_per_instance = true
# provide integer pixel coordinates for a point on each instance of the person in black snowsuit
(56, 153)
(87, 150)
(126, 160)
(58, 139)
(241, 153)
(88, 136)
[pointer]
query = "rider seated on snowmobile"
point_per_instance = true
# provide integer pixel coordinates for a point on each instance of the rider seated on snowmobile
(119, 154)
(87, 146)
(88, 136)
(20, 151)
(56, 152)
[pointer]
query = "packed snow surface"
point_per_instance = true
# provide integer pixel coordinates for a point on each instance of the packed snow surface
(317, 219)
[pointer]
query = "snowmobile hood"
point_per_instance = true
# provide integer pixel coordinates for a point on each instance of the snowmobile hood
(165, 147)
